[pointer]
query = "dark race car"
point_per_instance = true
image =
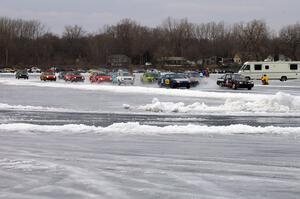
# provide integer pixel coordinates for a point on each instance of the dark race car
(22, 74)
(73, 76)
(235, 81)
(174, 80)
(194, 77)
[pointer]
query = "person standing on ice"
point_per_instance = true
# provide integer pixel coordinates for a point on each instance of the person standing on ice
(265, 80)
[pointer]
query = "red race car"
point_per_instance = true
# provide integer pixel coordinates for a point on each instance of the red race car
(73, 76)
(99, 77)
(48, 76)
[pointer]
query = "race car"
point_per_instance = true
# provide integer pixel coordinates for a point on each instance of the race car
(48, 76)
(22, 74)
(122, 77)
(174, 80)
(98, 77)
(149, 77)
(73, 76)
(194, 77)
(235, 81)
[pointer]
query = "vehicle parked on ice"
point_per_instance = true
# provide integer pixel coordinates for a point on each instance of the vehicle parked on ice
(235, 81)
(194, 77)
(48, 76)
(73, 76)
(99, 77)
(22, 74)
(174, 80)
(281, 70)
(8, 70)
(122, 77)
(34, 70)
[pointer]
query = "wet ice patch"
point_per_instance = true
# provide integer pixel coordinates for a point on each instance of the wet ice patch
(137, 128)
(279, 103)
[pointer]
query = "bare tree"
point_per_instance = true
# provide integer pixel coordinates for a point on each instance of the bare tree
(290, 37)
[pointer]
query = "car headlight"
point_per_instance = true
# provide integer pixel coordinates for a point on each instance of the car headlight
(241, 82)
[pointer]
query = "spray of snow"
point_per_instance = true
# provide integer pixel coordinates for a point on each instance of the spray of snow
(279, 103)
(136, 128)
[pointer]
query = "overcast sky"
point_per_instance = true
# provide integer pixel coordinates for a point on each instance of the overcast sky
(93, 14)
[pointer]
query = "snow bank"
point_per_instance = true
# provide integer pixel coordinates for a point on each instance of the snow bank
(31, 108)
(279, 103)
(136, 128)
(134, 89)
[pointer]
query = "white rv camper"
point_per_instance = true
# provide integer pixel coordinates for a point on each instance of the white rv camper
(282, 70)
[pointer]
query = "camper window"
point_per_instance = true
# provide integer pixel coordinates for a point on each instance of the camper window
(257, 67)
(294, 66)
(246, 67)
(267, 67)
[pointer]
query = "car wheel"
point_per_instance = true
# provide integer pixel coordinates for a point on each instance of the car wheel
(188, 86)
(283, 78)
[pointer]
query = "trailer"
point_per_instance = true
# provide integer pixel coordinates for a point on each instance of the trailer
(281, 70)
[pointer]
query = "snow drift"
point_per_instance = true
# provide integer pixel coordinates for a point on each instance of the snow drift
(136, 128)
(279, 103)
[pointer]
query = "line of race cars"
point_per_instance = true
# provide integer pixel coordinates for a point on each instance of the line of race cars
(164, 79)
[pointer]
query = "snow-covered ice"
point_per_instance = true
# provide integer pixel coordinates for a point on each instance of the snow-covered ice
(82, 140)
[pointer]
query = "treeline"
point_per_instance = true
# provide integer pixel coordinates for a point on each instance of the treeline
(29, 43)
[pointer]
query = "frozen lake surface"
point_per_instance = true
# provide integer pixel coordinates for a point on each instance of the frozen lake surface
(78, 140)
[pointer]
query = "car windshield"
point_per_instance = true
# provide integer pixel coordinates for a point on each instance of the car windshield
(178, 76)
(125, 74)
(238, 77)
(48, 73)
(102, 74)
(194, 74)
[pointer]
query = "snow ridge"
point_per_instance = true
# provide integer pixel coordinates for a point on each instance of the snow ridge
(137, 128)
(279, 103)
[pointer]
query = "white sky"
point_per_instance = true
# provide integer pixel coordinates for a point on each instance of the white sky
(93, 14)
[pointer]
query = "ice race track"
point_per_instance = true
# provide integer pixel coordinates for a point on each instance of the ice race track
(83, 140)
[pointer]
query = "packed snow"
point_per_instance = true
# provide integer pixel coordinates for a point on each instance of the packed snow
(206, 142)
(279, 103)
(136, 128)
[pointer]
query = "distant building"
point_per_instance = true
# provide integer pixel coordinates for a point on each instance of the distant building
(173, 61)
(210, 61)
(237, 59)
(118, 60)
(269, 58)
(283, 58)
(226, 61)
